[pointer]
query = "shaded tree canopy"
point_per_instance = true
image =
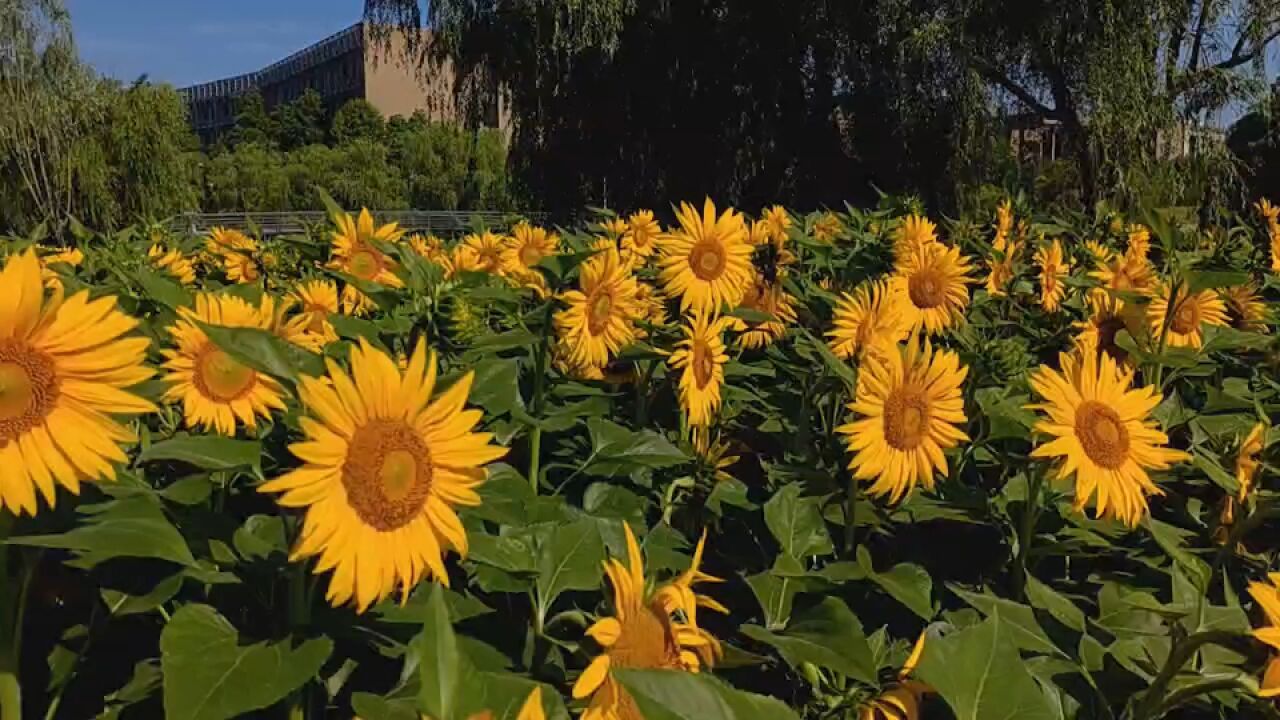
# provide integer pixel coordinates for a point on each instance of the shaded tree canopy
(818, 102)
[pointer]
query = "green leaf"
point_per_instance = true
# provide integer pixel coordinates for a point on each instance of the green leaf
(210, 452)
(162, 289)
(668, 695)
(797, 523)
(827, 635)
(1171, 540)
(1198, 280)
(907, 583)
(264, 351)
(372, 707)
(1057, 605)
(496, 386)
(841, 368)
(209, 675)
(505, 552)
(440, 666)
(260, 536)
(503, 695)
(120, 604)
(354, 328)
(569, 559)
(144, 682)
(615, 450)
(1024, 630)
(979, 673)
(190, 490)
(776, 592)
(131, 527)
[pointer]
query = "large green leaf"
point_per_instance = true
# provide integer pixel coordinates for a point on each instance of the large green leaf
(162, 289)
(209, 675)
(439, 664)
(569, 558)
(981, 676)
(130, 527)
(615, 450)
(907, 583)
(668, 695)
(1054, 603)
(1019, 619)
(264, 351)
(206, 451)
(827, 635)
(797, 523)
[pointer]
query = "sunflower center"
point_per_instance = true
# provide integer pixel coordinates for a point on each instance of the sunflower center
(599, 312)
(1186, 319)
(530, 255)
(222, 377)
(28, 389)
(707, 260)
(1102, 434)
(704, 364)
(387, 474)
(906, 419)
(927, 289)
(647, 641)
(365, 264)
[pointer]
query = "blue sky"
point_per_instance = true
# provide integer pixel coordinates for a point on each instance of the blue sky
(184, 42)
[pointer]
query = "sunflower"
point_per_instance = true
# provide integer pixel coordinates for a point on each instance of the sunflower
(613, 228)
(530, 710)
(1126, 273)
(701, 356)
(431, 248)
(224, 240)
(1002, 272)
(715, 455)
(1004, 224)
(1099, 253)
(930, 287)
(600, 318)
(354, 253)
(866, 320)
(174, 263)
(383, 468)
(1247, 463)
(215, 388)
(1139, 243)
(914, 231)
(526, 247)
(1190, 314)
(317, 300)
(910, 411)
(1245, 309)
(240, 268)
(1268, 598)
(653, 309)
(827, 228)
(1102, 433)
(64, 373)
(770, 299)
(1053, 271)
(641, 236)
(901, 701)
(1108, 315)
(778, 222)
(707, 262)
(57, 262)
(480, 252)
(648, 631)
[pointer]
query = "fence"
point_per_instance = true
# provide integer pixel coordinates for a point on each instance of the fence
(287, 223)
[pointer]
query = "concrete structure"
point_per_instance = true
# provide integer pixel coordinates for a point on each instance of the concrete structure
(351, 64)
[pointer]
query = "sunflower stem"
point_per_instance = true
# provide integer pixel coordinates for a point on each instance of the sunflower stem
(540, 354)
(10, 628)
(1027, 530)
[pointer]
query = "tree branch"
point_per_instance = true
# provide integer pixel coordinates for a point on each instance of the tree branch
(1197, 43)
(1025, 96)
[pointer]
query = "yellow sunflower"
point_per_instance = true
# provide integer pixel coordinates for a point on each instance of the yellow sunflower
(653, 309)
(354, 253)
(827, 228)
(1139, 243)
(614, 228)
(1004, 225)
(600, 318)
(216, 389)
(1102, 433)
(65, 370)
(913, 232)
(1053, 271)
(530, 710)
(1190, 314)
(778, 222)
(641, 236)
(1099, 253)
(317, 300)
(1126, 273)
(1108, 315)
(240, 268)
(1268, 598)
(1247, 462)
(909, 411)
(1245, 309)
(707, 262)
(648, 631)
(384, 466)
(224, 240)
(930, 287)
(701, 355)
(479, 253)
(526, 247)
(901, 701)
(56, 262)
(1001, 272)
(432, 249)
(174, 263)
(772, 300)
(866, 320)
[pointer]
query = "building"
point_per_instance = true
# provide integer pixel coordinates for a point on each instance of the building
(350, 64)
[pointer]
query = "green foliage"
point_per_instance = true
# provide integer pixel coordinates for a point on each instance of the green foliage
(358, 119)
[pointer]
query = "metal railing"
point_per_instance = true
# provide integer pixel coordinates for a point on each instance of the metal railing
(290, 223)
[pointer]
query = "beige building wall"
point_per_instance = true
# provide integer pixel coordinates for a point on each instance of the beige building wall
(396, 86)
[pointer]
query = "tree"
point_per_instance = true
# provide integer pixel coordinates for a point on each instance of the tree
(301, 122)
(252, 122)
(249, 178)
(358, 119)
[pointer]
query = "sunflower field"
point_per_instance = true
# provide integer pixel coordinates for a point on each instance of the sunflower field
(697, 465)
